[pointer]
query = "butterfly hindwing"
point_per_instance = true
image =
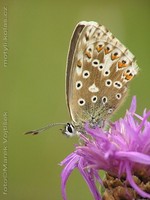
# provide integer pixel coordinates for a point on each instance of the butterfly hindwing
(98, 71)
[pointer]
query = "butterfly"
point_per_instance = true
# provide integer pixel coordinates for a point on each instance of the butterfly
(99, 68)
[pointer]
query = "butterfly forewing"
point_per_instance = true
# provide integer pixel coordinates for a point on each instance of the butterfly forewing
(98, 71)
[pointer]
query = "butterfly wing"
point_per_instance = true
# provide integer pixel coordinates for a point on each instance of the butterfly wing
(99, 68)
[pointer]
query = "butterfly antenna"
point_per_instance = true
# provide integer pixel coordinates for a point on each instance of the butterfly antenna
(35, 132)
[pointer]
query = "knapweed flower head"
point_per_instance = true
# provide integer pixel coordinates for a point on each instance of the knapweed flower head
(123, 152)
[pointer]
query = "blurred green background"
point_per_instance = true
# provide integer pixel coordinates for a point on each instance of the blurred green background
(32, 85)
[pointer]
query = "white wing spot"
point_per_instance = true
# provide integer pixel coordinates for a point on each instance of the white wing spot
(104, 99)
(106, 73)
(101, 67)
(78, 85)
(117, 84)
(81, 102)
(93, 88)
(108, 82)
(79, 70)
(110, 110)
(118, 96)
(94, 99)
(95, 63)
(86, 74)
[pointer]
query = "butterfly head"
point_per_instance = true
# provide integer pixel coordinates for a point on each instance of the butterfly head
(69, 130)
(73, 128)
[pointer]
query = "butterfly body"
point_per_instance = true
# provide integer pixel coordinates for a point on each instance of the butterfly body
(99, 68)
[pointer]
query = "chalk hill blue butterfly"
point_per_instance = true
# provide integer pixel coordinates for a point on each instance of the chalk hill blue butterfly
(99, 68)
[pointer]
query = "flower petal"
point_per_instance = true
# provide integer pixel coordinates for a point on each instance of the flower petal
(134, 157)
(132, 108)
(88, 176)
(71, 161)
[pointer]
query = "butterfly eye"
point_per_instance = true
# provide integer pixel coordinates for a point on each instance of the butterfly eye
(108, 48)
(123, 62)
(99, 46)
(116, 53)
(69, 130)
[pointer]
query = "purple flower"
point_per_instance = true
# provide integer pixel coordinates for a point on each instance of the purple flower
(122, 151)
